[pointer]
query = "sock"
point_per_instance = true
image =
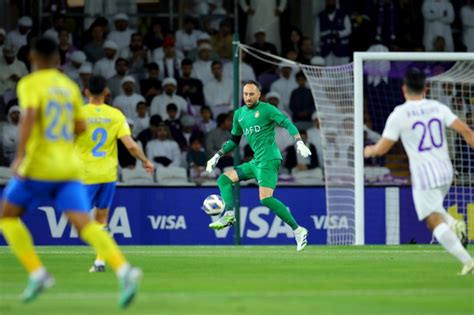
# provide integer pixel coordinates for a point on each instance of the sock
(451, 243)
(103, 244)
(99, 259)
(280, 210)
(447, 218)
(19, 239)
(227, 191)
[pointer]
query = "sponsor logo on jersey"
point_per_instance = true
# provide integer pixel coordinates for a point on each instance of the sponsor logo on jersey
(257, 114)
(252, 129)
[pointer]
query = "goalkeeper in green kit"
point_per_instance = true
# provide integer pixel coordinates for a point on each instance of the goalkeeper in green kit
(257, 122)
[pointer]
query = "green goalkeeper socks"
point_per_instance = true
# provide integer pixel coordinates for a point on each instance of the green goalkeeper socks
(227, 191)
(280, 210)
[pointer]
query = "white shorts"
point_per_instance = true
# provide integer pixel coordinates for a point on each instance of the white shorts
(429, 201)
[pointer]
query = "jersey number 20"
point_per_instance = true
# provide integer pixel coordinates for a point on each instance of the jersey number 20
(431, 130)
(99, 136)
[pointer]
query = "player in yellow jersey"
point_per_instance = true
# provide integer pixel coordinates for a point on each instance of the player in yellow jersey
(97, 150)
(46, 166)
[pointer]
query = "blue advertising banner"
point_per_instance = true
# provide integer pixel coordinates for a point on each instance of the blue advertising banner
(173, 215)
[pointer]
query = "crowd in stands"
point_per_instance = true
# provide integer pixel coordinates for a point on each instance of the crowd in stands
(175, 86)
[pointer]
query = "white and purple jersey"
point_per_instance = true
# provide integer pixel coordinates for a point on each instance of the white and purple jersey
(421, 127)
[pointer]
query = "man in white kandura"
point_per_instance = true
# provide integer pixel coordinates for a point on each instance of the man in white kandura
(421, 123)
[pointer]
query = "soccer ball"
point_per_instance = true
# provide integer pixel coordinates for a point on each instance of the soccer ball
(213, 205)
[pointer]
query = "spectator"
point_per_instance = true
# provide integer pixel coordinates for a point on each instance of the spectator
(274, 99)
(3, 37)
(284, 85)
(196, 159)
(10, 134)
(154, 37)
(141, 119)
(206, 123)
(160, 102)
(294, 160)
(332, 32)
(264, 14)
(438, 15)
(127, 101)
(222, 41)
(246, 71)
(202, 66)
(218, 91)
(215, 15)
(115, 82)
(71, 69)
(65, 47)
(106, 66)
(95, 48)
(19, 37)
(189, 88)
(306, 51)
(203, 38)
(147, 135)
(315, 137)
(301, 103)
(173, 121)
(217, 137)
(168, 59)
(151, 85)
(101, 8)
(467, 19)
(163, 150)
(188, 131)
(439, 44)
(261, 44)
(85, 73)
(294, 41)
(11, 70)
(59, 23)
(186, 39)
(122, 33)
(362, 27)
(137, 55)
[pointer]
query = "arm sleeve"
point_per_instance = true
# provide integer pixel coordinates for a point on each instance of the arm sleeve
(347, 27)
(124, 128)
(448, 116)
(236, 132)
(28, 98)
(78, 105)
(449, 18)
(281, 120)
(392, 128)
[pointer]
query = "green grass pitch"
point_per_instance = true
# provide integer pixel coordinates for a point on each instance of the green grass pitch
(251, 280)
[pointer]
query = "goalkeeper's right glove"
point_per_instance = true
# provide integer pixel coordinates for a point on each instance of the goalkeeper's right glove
(211, 164)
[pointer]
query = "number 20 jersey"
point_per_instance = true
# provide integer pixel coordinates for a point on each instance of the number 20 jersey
(50, 146)
(97, 147)
(421, 126)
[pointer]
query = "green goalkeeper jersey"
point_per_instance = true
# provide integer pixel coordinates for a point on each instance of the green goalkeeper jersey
(258, 125)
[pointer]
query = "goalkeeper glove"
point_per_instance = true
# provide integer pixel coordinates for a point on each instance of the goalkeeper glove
(211, 164)
(302, 149)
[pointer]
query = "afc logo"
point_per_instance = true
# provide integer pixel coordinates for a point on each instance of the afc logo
(252, 129)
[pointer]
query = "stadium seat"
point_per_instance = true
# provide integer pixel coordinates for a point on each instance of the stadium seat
(308, 177)
(172, 176)
(136, 176)
(5, 174)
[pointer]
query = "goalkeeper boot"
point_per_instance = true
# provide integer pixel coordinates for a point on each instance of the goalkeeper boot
(129, 286)
(468, 269)
(227, 219)
(36, 285)
(459, 228)
(301, 235)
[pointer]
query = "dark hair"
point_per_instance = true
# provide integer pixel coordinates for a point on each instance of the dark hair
(153, 66)
(140, 103)
(171, 106)
(45, 47)
(186, 62)
(97, 84)
(195, 138)
(300, 74)
(252, 82)
(216, 62)
(155, 120)
(120, 59)
(221, 119)
(302, 132)
(414, 80)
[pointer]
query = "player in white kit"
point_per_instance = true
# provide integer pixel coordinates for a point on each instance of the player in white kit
(421, 123)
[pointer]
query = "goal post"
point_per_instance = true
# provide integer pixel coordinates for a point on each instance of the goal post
(358, 66)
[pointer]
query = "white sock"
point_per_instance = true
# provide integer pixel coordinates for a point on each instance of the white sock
(38, 273)
(451, 243)
(298, 229)
(99, 262)
(122, 270)
(447, 218)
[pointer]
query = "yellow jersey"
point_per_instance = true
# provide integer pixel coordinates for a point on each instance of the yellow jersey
(50, 147)
(97, 147)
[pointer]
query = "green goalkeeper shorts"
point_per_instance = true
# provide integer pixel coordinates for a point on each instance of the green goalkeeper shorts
(265, 172)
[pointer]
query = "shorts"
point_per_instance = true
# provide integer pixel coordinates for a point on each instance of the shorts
(28, 193)
(266, 172)
(429, 201)
(101, 195)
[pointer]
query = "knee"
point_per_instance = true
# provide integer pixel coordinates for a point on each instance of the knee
(265, 201)
(224, 180)
(433, 220)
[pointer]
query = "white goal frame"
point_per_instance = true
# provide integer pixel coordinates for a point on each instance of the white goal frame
(359, 58)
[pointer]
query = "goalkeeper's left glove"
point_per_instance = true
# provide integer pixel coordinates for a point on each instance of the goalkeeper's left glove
(302, 149)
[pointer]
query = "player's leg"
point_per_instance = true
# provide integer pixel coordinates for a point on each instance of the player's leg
(267, 176)
(226, 187)
(429, 207)
(457, 226)
(17, 196)
(72, 200)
